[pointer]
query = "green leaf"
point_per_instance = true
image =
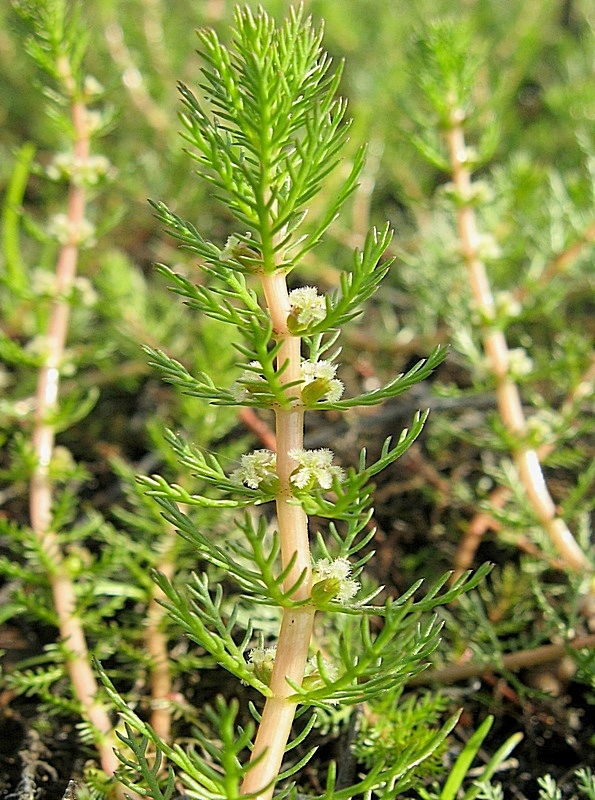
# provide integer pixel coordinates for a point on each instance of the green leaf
(494, 764)
(270, 130)
(359, 283)
(16, 276)
(463, 763)
(199, 615)
(422, 370)
(351, 498)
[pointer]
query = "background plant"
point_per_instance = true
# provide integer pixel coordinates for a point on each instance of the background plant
(539, 75)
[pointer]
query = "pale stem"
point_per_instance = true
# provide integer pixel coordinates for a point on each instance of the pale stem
(483, 519)
(508, 397)
(133, 80)
(157, 645)
(296, 625)
(509, 662)
(72, 633)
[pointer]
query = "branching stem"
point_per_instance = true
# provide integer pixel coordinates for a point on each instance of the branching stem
(509, 400)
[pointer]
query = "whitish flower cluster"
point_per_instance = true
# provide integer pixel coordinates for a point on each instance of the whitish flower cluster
(61, 228)
(249, 381)
(45, 284)
(319, 381)
(507, 305)
(236, 247)
(255, 468)
(519, 363)
(86, 171)
(307, 307)
(263, 656)
(332, 673)
(92, 87)
(315, 468)
(334, 578)
(262, 660)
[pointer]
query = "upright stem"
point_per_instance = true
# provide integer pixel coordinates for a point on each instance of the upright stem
(42, 490)
(510, 406)
(296, 625)
(156, 643)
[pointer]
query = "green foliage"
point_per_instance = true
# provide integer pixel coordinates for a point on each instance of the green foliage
(58, 38)
(253, 163)
(393, 721)
(585, 782)
(275, 132)
(462, 765)
(215, 776)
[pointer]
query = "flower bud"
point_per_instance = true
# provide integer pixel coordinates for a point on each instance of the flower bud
(237, 249)
(325, 591)
(262, 661)
(319, 381)
(332, 581)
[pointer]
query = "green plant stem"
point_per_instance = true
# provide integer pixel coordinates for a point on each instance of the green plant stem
(297, 623)
(72, 633)
(509, 401)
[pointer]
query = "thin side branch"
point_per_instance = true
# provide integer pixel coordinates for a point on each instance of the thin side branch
(511, 662)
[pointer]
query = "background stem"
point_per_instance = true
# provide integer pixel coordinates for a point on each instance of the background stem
(41, 497)
(510, 406)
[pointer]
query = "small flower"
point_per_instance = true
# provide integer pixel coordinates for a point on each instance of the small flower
(44, 283)
(543, 426)
(255, 468)
(319, 381)
(312, 668)
(92, 87)
(507, 305)
(262, 661)
(333, 581)
(61, 228)
(488, 248)
(307, 308)
(237, 249)
(312, 674)
(315, 468)
(85, 291)
(86, 171)
(97, 121)
(519, 363)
